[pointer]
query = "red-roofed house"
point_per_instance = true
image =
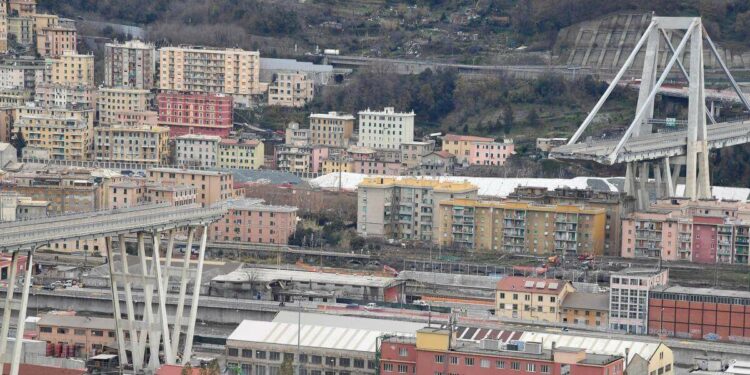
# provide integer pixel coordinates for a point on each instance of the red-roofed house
(25, 369)
(531, 298)
(175, 370)
(472, 150)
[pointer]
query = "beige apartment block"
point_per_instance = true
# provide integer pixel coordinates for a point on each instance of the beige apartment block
(197, 150)
(22, 28)
(52, 41)
(57, 133)
(22, 8)
(290, 90)
(331, 129)
(113, 101)
(130, 64)
(72, 68)
(386, 129)
(531, 298)
(138, 144)
(210, 186)
(229, 71)
(64, 96)
(3, 29)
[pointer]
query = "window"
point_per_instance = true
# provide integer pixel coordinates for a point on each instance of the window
(484, 363)
(402, 369)
(500, 364)
(247, 353)
(232, 352)
(260, 354)
(515, 366)
(274, 356)
(359, 363)
(439, 358)
(62, 331)
(454, 360)
(388, 367)
(303, 358)
(403, 352)
(45, 329)
(79, 332)
(469, 361)
(344, 362)
(544, 369)
(330, 361)
(531, 367)
(316, 359)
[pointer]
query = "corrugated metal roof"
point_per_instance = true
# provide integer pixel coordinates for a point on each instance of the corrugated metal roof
(594, 345)
(346, 321)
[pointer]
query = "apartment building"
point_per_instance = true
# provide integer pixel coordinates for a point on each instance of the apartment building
(62, 96)
(205, 70)
(296, 136)
(87, 335)
(413, 152)
(22, 73)
(472, 150)
(435, 350)
(14, 207)
(404, 209)
(144, 144)
(295, 159)
(67, 191)
(210, 186)
(531, 298)
(386, 129)
(22, 8)
(3, 29)
(250, 220)
(22, 29)
(290, 89)
(72, 68)
(436, 163)
(699, 313)
(629, 293)
(53, 40)
(586, 309)
(240, 154)
(520, 227)
(616, 205)
(57, 133)
(115, 100)
(195, 113)
(331, 129)
(131, 64)
(137, 191)
(197, 150)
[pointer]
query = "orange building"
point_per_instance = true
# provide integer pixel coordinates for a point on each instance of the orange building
(249, 220)
(210, 186)
(87, 335)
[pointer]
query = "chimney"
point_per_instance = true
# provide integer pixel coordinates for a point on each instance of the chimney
(552, 351)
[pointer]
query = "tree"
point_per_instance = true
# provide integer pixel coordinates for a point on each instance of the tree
(507, 119)
(466, 129)
(532, 119)
(19, 142)
(287, 368)
(187, 369)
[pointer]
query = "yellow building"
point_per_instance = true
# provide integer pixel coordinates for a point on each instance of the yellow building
(531, 298)
(72, 68)
(521, 227)
(336, 165)
(234, 154)
(113, 103)
(587, 309)
(3, 29)
(229, 71)
(56, 133)
(145, 144)
(22, 8)
(290, 90)
(22, 28)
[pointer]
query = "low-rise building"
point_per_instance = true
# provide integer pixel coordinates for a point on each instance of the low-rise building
(520, 227)
(531, 298)
(547, 144)
(436, 163)
(137, 144)
(296, 136)
(324, 346)
(386, 129)
(413, 152)
(210, 186)
(240, 154)
(331, 129)
(88, 335)
(72, 68)
(250, 220)
(587, 309)
(629, 298)
(195, 113)
(295, 159)
(112, 101)
(405, 208)
(197, 150)
(14, 207)
(472, 150)
(290, 89)
(435, 350)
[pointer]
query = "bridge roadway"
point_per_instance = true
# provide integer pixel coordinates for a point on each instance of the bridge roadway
(29, 234)
(653, 146)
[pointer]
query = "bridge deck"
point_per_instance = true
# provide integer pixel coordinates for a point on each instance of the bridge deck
(28, 234)
(654, 146)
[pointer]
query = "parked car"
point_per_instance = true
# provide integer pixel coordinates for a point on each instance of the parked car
(419, 302)
(371, 305)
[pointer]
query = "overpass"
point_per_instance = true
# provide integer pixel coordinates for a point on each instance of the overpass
(663, 155)
(153, 221)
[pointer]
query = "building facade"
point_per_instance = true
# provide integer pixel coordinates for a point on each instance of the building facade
(520, 227)
(629, 298)
(586, 309)
(63, 96)
(531, 298)
(404, 209)
(228, 71)
(236, 154)
(22, 73)
(53, 40)
(413, 152)
(131, 64)
(386, 129)
(195, 113)
(112, 101)
(197, 150)
(331, 129)
(87, 335)
(210, 186)
(137, 144)
(290, 89)
(250, 220)
(471, 150)
(57, 133)
(72, 68)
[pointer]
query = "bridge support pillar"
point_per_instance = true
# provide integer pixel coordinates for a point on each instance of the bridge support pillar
(15, 363)
(8, 309)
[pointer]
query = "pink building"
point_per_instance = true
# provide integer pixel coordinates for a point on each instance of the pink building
(318, 154)
(376, 167)
(250, 220)
(185, 113)
(6, 261)
(472, 150)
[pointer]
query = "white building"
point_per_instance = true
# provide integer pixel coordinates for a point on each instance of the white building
(130, 64)
(197, 150)
(385, 129)
(628, 298)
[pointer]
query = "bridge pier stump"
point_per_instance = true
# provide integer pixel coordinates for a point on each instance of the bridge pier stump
(21, 325)
(8, 309)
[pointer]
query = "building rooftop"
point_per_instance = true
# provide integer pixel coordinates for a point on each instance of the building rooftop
(200, 137)
(466, 138)
(702, 291)
(386, 111)
(75, 321)
(267, 275)
(293, 65)
(417, 183)
(443, 154)
(322, 331)
(634, 271)
(257, 205)
(531, 285)
(595, 345)
(586, 301)
(180, 170)
(524, 206)
(249, 143)
(27, 369)
(336, 115)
